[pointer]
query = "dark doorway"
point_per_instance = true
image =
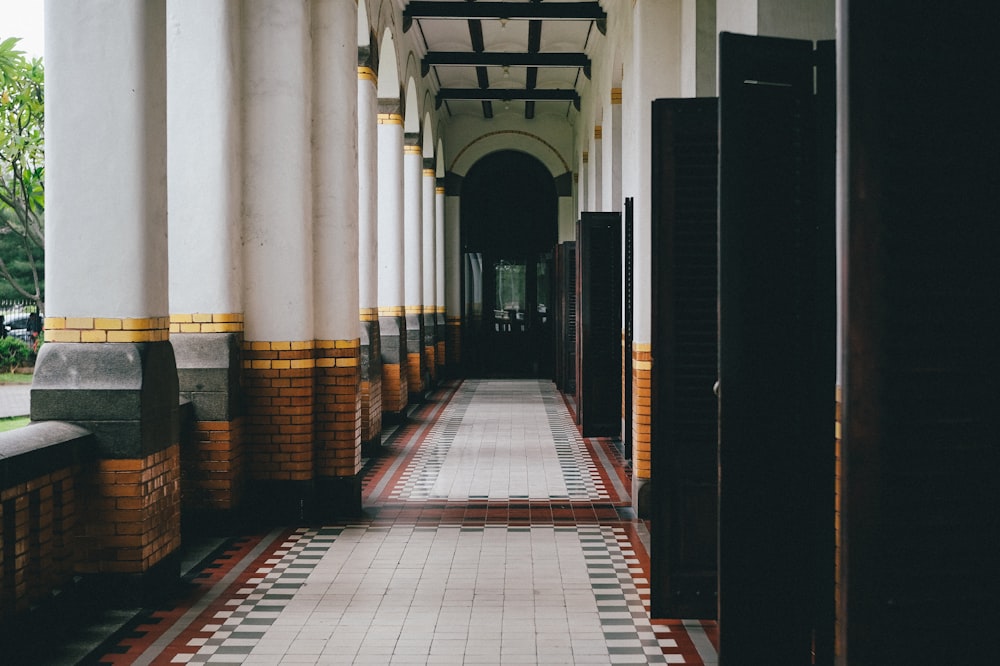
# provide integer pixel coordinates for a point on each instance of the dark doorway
(509, 220)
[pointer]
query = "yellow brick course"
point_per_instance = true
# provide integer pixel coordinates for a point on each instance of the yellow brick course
(107, 329)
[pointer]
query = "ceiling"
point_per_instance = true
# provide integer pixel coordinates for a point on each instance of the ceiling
(516, 56)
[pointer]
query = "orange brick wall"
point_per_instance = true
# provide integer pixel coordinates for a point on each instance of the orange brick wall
(131, 519)
(440, 356)
(642, 399)
(371, 409)
(430, 358)
(338, 407)
(279, 387)
(212, 467)
(414, 372)
(453, 340)
(36, 546)
(395, 393)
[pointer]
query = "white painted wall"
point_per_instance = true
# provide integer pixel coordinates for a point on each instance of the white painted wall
(106, 160)
(204, 151)
(277, 183)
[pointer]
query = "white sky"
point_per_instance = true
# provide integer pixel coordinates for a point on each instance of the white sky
(25, 19)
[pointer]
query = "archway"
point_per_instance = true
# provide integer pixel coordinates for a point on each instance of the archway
(509, 214)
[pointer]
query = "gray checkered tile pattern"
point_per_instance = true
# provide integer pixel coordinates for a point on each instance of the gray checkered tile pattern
(502, 440)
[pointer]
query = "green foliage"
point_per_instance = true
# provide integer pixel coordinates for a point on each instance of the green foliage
(13, 353)
(22, 172)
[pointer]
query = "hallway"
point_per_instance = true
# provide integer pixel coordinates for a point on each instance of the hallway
(493, 534)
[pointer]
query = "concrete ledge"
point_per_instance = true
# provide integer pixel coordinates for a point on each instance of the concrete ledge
(39, 448)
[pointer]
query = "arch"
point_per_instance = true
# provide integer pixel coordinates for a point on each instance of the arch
(428, 138)
(511, 139)
(388, 68)
(411, 109)
(364, 27)
(508, 223)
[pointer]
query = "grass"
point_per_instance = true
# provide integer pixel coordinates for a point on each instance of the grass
(14, 378)
(13, 422)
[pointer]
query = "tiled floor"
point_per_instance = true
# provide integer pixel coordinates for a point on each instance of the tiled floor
(493, 534)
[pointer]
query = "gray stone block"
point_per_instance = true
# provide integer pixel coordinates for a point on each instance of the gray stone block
(125, 393)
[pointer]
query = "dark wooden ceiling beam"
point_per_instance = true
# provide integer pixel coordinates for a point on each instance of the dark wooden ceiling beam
(534, 36)
(503, 94)
(566, 11)
(498, 59)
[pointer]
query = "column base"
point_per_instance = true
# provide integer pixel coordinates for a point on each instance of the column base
(270, 502)
(119, 590)
(641, 497)
(338, 497)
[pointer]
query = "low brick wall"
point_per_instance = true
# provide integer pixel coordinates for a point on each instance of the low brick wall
(40, 470)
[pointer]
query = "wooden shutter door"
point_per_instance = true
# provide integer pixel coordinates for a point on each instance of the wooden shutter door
(685, 358)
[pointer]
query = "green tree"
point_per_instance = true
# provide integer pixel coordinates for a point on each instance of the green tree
(22, 172)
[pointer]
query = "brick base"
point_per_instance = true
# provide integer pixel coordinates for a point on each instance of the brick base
(371, 416)
(338, 408)
(212, 467)
(430, 359)
(131, 516)
(642, 400)
(439, 358)
(415, 374)
(279, 387)
(395, 390)
(453, 341)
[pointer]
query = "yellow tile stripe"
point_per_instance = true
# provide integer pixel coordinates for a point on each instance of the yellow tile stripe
(367, 74)
(414, 309)
(429, 173)
(598, 130)
(439, 190)
(391, 311)
(369, 314)
(229, 322)
(441, 309)
(107, 329)
(412, 150)
(454, 321)
(279, 345)
(430, 309)
(586, 156)
(642, 347)
(390, 119)
(616, 95)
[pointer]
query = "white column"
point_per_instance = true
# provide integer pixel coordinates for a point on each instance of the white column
(439, 253)
(204, 157)
(390, 212)
(106, 161)
(335, 169)
(367, 191)
(429, 241)
(277, 181)
(413, 262)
